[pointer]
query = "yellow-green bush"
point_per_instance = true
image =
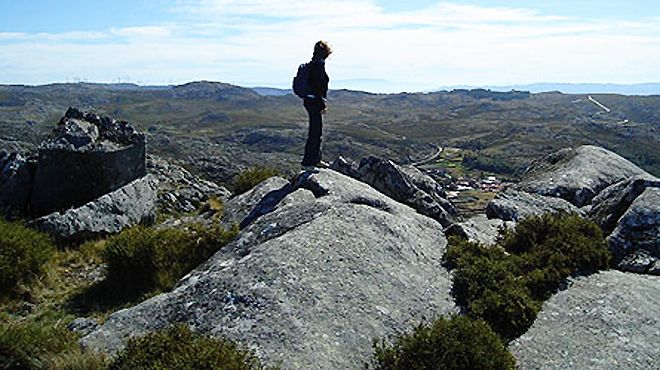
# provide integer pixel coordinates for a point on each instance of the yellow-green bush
(23, 254)
(28, 345)
(456, 343)
(44, 342)
(247, 179)
(506, 284)
(143, 259)
(178, 348)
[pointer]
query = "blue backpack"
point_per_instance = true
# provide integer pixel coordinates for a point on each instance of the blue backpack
(301, 86)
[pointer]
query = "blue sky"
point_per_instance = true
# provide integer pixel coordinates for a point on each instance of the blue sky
(379, 45)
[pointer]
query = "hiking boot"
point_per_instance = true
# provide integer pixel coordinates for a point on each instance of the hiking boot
(322, 164)
(309, 169)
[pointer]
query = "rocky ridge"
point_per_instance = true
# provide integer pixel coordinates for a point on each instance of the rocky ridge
(405, 184)
(327, 268)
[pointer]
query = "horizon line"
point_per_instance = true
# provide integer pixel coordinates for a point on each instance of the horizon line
(507, 87)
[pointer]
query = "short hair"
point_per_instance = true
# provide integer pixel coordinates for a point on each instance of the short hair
(322, 50)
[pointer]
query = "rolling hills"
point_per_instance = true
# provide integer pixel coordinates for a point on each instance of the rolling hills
(216, 129)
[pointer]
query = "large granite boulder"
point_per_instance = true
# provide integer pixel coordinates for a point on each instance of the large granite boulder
(405, 184)
(577, 175)
(610, 204)
(16, 174)
(310, 284)
(134, 203)
(609, 320)
(635, 242)
(88, 156)
(513, 205)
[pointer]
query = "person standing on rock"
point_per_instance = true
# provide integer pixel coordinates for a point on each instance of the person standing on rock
(314, 99)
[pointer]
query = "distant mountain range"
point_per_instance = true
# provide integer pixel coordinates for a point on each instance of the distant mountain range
(574, 88)
(384, 86)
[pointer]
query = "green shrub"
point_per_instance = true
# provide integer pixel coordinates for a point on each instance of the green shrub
(43, 343)
(247, 179)
(553, 247)
(456, 343)
(23, 254)
(179, 348)
(506, 284)
(28, 345)
(142, 259)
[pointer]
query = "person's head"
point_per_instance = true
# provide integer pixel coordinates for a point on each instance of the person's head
(322, 50)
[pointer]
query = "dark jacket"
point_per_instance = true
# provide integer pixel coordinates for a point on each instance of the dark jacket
(319, 80)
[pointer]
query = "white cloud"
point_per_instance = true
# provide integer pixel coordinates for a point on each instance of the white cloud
(143, 32)
(262, 42)
(56, 37)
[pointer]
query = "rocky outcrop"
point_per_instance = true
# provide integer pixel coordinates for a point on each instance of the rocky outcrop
(88, 156)
(607, 207)
(309, 284)
(619, 196)
(179, 191)
(577, 175)
(608, 320)
(132, 204)
(513, 205)
(635, 241)
(405, 184)
(16, 174)
(345, 166)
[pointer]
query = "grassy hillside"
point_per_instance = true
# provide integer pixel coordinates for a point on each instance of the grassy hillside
(218, 129)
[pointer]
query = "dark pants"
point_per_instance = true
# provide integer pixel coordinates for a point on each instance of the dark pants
(313, 146)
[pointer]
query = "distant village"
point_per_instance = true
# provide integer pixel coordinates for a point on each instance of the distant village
(449, 172)
(488, 184)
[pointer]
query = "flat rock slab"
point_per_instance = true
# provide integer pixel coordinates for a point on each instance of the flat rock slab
(609, 320)
(310, 284)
